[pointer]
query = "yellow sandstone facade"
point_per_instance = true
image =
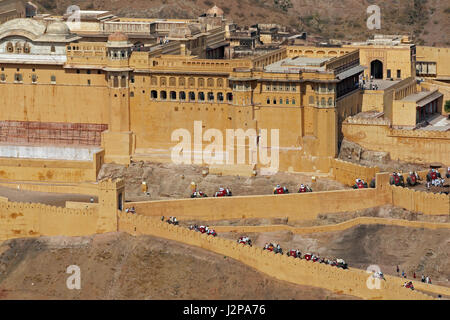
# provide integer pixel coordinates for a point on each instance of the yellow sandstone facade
(142, 97)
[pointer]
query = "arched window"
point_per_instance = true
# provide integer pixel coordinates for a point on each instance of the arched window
(9, 47)
(323, 102)
(162, 81)
(181, 82)
(220, 82)
(163, 95)
(153, 81)
(220, 97)
(18, 48)
(173, 95)
(201, 82)
(210, 96)
(191, 82)
(210, 82)
(293, 101)
(26, 48)
(154, 94)
(182, 96)
(268, 101)
(191, 96)
(229, 97)
(287, 101)
(172, 82)
(281, 101)
(330, 101)
(201, 96)
(274, 101)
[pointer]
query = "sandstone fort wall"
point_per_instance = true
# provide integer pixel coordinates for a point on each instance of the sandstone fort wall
(404, 145)
(352, 281)
(21, 220)
(304, 206)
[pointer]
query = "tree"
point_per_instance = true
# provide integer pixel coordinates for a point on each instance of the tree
(447, 106)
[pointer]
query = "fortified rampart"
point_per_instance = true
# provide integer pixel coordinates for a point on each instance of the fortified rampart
(351, 281)
(304, 206)
(347, 172)
(31, 220)
(21, 220)
(417, 146)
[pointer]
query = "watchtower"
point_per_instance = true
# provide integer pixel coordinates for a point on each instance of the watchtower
(111, 199)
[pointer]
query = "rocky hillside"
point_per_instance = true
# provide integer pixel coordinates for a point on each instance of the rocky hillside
(427, 20)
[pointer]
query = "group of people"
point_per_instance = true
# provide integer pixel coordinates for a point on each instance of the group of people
(130, 210)
(274, 247)
(424, 279)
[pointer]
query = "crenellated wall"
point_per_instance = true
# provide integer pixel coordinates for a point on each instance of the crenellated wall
(305, 206)
(417, 146)
(347, 172)
(20, 220)
(351, 281)
(424, 202)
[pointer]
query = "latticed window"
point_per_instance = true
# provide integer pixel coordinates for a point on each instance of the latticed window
(153, 81)
(201, 82)
(162, 81)
(191, 82)
(210, 82)
(181, 82)
(220, 83)
(172, 82)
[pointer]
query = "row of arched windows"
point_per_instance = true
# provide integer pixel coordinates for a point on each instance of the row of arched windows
(190, 82)
(18, 47)
(280, 101)
(191, 96)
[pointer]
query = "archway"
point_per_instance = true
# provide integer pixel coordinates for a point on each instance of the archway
(376, 69)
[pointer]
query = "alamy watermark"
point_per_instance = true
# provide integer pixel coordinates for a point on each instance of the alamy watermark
(74, 17)
(374, 280)
(214, 152)
(73, 281)
(374, 20)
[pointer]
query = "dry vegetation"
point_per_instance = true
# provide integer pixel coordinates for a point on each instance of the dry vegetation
(426, 20)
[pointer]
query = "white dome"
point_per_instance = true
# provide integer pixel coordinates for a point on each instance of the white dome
(59, 28)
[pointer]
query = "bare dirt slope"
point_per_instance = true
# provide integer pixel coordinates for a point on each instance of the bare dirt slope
(417, 250)
(427, 20)
(119, 266)
(173, 181)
